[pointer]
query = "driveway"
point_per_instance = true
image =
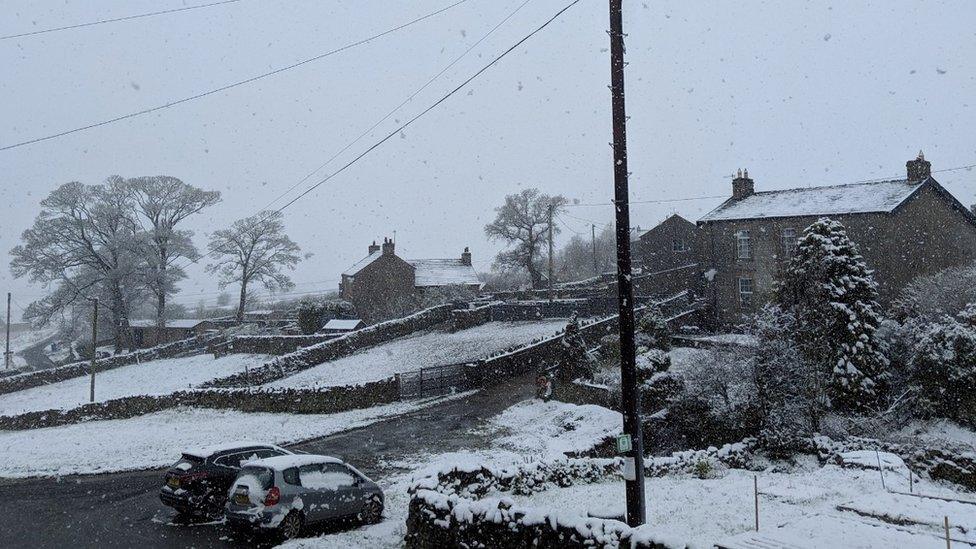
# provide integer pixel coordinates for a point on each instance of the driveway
(122, 510)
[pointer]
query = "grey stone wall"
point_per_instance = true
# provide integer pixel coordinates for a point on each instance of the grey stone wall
(276, 344)
(187, 347)
(327, 400)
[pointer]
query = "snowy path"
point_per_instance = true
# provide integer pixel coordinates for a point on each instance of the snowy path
(158, 377)
(421, 350)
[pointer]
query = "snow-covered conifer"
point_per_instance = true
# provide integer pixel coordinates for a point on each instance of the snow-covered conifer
(833, 296)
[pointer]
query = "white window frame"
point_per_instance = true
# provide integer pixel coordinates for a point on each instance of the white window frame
(745, 296)
(789, 242)
(743, 244)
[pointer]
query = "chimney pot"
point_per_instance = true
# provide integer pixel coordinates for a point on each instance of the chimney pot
(374, 247)
(388, 248)
(466, 257)
(918, 169)
(742, 186)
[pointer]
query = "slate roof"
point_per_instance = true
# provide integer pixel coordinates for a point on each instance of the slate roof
(362, 263)
(443, 272)
(871, 197)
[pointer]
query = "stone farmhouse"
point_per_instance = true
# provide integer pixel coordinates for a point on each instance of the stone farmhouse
(904, 228)
(382, 282)
(673, 243)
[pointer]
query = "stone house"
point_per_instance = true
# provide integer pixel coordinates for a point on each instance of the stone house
(904, 229)
(675, 242)
(382, 283)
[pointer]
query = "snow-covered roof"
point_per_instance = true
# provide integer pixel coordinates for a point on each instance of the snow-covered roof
(443, 272)
(342, 324)
(170, 323)
(208, 451)
(292, 460)
(871, 197)
(362, 263)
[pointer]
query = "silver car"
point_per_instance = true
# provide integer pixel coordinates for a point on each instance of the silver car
(285, 493)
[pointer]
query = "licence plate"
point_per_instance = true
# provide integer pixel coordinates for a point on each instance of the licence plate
(173, 482)
(241, 498)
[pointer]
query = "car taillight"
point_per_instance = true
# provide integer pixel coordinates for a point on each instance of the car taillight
(184, 479)
(273, 497)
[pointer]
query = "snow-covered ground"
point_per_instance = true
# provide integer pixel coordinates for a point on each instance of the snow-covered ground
(430, 348)
(530, 430)
(804, 503)
(158, 377)
(155, 440)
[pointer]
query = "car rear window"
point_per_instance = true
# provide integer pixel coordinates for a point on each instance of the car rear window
(187, 462)
(255, 478)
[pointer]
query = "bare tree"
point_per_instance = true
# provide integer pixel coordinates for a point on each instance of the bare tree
(575, 260)
(165, 202)
(523, 223)
(254, 249)
(86, 244)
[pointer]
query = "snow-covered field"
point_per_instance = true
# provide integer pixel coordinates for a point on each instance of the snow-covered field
(158, 377)
(704, 512)
(155, 440)
(431, 348)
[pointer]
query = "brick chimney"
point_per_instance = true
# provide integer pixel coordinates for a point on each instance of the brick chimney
(742, 186)
(374, 247)
(919, 169)
(466, 257)
(387, 246)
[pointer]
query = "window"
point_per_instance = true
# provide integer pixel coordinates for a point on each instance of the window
(789, 242)
(330, 476)
(743, 245)
(290, 476)
(745, 292)
(679, 245)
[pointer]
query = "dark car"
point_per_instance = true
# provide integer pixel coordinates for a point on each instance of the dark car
(197, 484)
(283, 494)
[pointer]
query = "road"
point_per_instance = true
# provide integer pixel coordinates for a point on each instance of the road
(123, 510)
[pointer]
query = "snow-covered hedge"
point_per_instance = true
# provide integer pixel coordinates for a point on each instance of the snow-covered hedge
(28, 380)
(325, 400)
(339, 347)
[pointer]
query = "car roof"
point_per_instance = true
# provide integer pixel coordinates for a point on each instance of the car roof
(240, 445)
(292, 460)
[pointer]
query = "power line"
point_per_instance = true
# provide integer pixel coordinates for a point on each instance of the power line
(116, 20)
(398, 107)
(403, 126)
(233, 85)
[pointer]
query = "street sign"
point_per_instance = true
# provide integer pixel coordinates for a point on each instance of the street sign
(624, 444)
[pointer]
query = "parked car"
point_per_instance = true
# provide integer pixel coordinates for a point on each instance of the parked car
(197, 484)
(284, 494)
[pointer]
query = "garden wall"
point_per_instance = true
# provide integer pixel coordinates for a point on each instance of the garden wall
(462, 319)
(447, 509)
(187, 347)
(277, 344)
(327, 400)
(339, 347)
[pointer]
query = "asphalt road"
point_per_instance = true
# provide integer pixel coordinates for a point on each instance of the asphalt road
(123, 510)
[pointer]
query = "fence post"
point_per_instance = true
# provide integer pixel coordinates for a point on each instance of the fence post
(880, 469)
(755, 492)
(948, 542)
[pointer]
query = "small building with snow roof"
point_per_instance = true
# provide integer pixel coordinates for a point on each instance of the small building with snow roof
(383, 284)
(904, 229)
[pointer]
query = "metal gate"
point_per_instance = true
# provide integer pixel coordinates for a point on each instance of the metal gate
(432, 381)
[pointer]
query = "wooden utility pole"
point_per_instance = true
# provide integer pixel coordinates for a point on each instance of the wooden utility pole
(596, 268)
(630, 397)
(550, 251)
(91, 397)
(6, 354)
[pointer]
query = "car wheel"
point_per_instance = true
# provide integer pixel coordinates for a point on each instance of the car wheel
(372, 512)
(291, 526)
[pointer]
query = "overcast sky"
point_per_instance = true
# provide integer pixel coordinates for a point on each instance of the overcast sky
(801, 94)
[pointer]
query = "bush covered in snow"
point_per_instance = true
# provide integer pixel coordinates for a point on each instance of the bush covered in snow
(943, 371)
(932, 297)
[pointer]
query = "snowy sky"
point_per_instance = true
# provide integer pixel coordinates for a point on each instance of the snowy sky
(801, 94)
